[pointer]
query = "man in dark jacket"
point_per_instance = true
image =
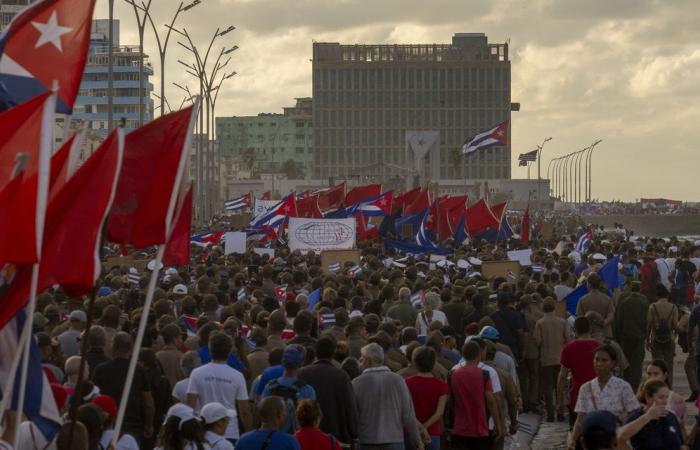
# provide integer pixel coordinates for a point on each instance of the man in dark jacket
(333, 391)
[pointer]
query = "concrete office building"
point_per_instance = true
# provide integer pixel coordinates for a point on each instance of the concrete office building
(8, 10)
(378, 108)
(91, 106)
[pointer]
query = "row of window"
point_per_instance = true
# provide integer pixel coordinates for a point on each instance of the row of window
(386, 137)
(411, 99)
(230, 125)
(472, 119)
(412, 78)
(446, 172)
(117, 76)
(358, 156)
(118, 92)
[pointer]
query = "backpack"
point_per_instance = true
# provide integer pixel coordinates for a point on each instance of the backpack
(290, 396)
(662, 333)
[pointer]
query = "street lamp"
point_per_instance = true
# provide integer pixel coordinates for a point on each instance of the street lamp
(539, 160)
(589, 167)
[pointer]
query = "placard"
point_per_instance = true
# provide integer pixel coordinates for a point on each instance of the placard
(329, 257)
(240, 221)
(128, 261)
(321, 234)
(235, 242)
(506, 269)
(547, 231)
(522, 256)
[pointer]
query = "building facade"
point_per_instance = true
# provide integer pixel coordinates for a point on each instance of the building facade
(8, 10)
(251, 145)
(92, 104)
(368, 98)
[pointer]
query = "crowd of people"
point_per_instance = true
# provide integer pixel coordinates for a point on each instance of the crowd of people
(406, 353)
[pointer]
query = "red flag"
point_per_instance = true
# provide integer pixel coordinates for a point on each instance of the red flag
(364, 230)
(406, 198)
(498, 210)
(332, 198)
(70, 253)
(266, 196)
(360, 193)
(525, 228)
(25, 152)
(46, 42)
(451, 210)
(307, 207)
(419, 204)
(479, 217)
(177, 252)
(64, 163)
(155, 156)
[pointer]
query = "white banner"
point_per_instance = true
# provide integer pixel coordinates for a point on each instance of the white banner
(235, 242)
(321, 234)
(263, 206)
(522, 256)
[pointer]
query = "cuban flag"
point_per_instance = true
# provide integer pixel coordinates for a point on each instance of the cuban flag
(190, 323)
(209, 238)
(417, 299)
(425, 236)
(39, 403)
(241, 295)
(334, 267)
(46, 41)
(326, 320)
(497, 135)
(379, 205)
(238, 203)
(314, 298)
(584, 241)
(281, 291)
(355, 271)
(278, 214)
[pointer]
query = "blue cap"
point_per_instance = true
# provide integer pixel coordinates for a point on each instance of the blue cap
(602, 420)
(489, 332)
(104, 291)
(293, 355)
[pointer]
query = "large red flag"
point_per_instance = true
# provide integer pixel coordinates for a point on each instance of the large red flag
(419, 204)
(451, 210)
(46, 42)
(405, 199)
(25, 152)
(479, 217)
(266, 196)
(70, 253)
(64, 163)
(177, 251)
(498, 210)
(332, 198)
(525, 228)
(307, 207)
(361, 193)
(154, 161)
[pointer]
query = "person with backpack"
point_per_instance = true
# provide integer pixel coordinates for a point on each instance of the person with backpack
(273, 415)
(289, 387)
(662, 323)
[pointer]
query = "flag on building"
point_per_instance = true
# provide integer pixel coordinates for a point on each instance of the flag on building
(528, 157)
(235, 204)
(497, 135)
(45, 42)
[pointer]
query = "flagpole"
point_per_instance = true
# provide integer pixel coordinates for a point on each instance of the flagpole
(28, 323)
(9, 383)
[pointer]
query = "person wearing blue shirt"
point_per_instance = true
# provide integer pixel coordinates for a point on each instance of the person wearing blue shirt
(273, 415)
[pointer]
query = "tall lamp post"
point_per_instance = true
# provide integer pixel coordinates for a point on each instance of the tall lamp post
(110, 69)
(539, 164)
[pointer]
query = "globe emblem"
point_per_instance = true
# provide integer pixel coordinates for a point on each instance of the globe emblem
(320, 234)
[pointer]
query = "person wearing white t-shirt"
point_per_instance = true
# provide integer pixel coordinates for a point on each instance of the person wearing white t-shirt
(219, 382)
(188, 362)
(430, 313)
(216, 419)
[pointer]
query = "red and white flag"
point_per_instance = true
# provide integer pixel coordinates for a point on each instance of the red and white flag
(177, 251)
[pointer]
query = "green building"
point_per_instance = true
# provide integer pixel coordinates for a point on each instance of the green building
(267, 143)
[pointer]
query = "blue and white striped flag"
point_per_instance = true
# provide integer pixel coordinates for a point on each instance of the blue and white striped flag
(584, 241)
(241, 294)
(417, 299)
(354, 271)
(238, 203)
(497, 135)
(334, 267)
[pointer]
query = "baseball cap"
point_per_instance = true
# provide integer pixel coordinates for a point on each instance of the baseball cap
(180, 289)
(182, 412)
(214, 411)
(78, 316)
(293, 355)
(106, 404)
(104, 291)
(489, 332)
(602, 420)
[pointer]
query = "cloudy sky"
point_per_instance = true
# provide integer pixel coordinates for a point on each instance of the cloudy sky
(624, 71)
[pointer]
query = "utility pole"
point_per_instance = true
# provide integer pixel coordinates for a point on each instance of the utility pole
(110, 69)
(539, 164)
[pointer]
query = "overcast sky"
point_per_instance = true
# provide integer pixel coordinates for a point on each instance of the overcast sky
(624, 71)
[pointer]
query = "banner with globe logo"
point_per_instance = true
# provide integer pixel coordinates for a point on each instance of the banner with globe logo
(321, 234)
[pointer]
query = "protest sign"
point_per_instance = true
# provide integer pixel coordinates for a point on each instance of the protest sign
(263, 206)
(330, 258)
(506, 269)
(522, 256)
(235, 242)
(321, 234)
(265, 251)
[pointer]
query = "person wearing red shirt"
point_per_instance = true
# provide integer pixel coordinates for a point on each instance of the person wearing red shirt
(429, 394)
(472, 393)
(309, 436)
(577, 358)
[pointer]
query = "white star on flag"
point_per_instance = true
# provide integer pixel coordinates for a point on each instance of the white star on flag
(51, 32)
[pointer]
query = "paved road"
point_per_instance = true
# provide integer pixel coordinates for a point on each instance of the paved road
(552, 436)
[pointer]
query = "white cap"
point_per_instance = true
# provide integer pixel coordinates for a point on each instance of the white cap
(474, 261)
(672, 249)
(462, 264)
(599, 257)
(152, 265)
(697, 242)
(180, 289)
(171, 271)
(182, 412)
(214, 411)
